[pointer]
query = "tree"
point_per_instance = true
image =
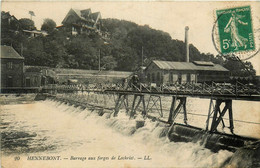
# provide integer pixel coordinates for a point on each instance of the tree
(27, 24)
(239, 68)
(236, 67)
(48, 25)
(55, 52)
(124, 52)
(108, 63)
(219, 59)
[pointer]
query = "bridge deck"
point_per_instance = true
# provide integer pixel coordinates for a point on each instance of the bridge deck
(185, 94)
(236, 91)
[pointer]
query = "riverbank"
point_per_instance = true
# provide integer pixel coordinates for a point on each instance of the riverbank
(17, 98)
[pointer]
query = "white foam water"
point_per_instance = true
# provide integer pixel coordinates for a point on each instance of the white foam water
(51, 128)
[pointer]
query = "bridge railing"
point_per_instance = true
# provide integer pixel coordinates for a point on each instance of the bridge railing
(185, 88)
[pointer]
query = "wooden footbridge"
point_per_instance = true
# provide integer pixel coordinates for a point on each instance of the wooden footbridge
(218, 93)
(144, 98)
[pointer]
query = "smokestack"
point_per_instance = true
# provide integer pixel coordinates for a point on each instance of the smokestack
(187, 44)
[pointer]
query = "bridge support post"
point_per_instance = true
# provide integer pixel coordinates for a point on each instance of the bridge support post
(209, 114)
(105, 99)
(122, 98)
(155, 103)
(170, 119)
(134, 107)
(218, 114)
(175, 111)
(88, 97)
(96, 98)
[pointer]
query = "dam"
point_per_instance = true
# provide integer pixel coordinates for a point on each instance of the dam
(91, 137)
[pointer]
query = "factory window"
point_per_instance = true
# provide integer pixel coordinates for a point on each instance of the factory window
(149, 77)
(9, 81)
(153, 77)
(10, 65)
(158, 77)
(27, 82)
(179, 78)
(171, 77)
(188, 78)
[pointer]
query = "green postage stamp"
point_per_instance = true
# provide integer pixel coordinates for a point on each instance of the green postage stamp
(235, 30)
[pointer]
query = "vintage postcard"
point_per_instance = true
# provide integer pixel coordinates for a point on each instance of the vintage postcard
(130, 84)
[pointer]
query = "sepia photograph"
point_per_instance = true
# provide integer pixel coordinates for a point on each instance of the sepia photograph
(130, 84)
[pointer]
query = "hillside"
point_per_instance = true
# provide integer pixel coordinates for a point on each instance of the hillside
(130, 37)
(122, 50)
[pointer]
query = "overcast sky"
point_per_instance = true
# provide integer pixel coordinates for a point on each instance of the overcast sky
(171, 17)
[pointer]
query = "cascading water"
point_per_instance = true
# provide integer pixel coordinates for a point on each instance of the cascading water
(82, 138)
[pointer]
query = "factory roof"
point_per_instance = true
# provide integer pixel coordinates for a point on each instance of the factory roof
(197, 65)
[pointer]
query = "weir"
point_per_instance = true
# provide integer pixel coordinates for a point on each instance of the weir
(188, 133)
(142, 100)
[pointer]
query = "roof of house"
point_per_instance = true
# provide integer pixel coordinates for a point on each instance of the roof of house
(81, 14)
(36, 32)
(6, 15)
(85, 11)
(95, 16)
(170, 65)
(8, 52)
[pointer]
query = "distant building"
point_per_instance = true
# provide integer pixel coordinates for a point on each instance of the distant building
(168, 72)
(9, 22)
(257, 81)
(12, 65)
(36, 76)
(81, 21)
(90, 76)
(140, 72)
(35, 33)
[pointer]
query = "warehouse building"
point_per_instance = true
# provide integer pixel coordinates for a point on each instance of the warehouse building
(169, 72)
(12, 67)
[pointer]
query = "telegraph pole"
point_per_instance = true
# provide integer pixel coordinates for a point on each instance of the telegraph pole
(187, 44)
(99, 60)
(21, 49)
(142, 56)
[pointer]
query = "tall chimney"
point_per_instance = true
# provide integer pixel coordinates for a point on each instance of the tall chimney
(187, 44)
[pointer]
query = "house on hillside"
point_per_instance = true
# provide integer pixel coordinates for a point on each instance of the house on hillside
(35, 33)
(168, 72)
(12, 67)
(9, 22)
(81, 21)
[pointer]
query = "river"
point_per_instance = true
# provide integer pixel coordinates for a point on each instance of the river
(53, 134)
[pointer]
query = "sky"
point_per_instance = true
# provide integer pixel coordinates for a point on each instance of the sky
(171, 17)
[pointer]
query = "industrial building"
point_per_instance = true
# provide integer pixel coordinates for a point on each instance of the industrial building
(12, 67)
(36, 76)
(168, 72)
